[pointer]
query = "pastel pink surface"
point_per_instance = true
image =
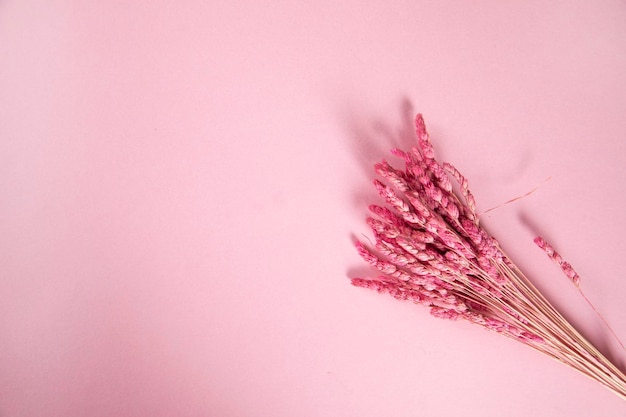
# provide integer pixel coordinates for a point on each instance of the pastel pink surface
(179, 184)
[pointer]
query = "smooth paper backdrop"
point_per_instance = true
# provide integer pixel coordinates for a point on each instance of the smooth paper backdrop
(180, 184)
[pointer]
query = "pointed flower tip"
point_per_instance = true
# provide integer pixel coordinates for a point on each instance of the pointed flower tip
(420, 125)
(357, 282)
(380, 167)
(399, 153)
(379, 185)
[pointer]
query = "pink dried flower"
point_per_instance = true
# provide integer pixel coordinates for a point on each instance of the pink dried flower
(552, 254)
(432, 250)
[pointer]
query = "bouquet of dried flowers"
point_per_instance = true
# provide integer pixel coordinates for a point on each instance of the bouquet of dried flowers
(431, 249)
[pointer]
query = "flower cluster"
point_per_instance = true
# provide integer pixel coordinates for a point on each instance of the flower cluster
(431, 249)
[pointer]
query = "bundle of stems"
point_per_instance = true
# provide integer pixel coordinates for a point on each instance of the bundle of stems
(431, 249)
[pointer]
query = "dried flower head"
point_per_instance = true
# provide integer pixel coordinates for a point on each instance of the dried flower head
(431, 249)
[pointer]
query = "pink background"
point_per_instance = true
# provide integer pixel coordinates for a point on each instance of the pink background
(180, 181)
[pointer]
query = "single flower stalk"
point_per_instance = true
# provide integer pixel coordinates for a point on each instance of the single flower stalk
(431, 249)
